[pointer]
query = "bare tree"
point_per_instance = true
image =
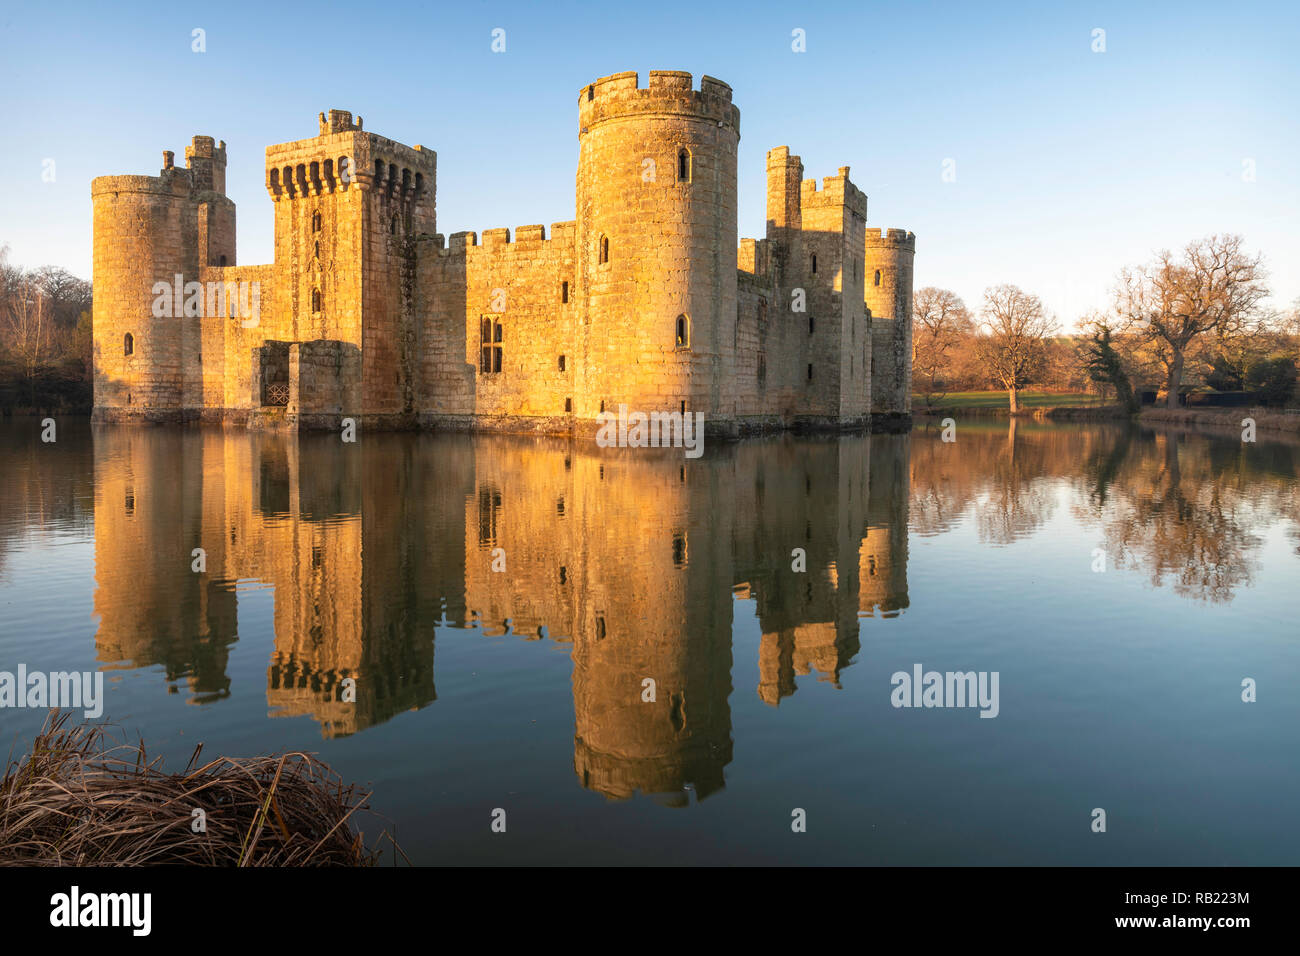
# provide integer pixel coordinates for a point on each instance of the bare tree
(27, 329)
(1011, 343)
(1173, 302)
(939, 321)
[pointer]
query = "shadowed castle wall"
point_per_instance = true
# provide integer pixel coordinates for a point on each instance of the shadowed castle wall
(888, 293)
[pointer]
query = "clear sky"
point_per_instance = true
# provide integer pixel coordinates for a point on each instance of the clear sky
(1068, 163)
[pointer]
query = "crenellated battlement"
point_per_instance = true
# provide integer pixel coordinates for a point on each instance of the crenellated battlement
(835, 190)
(343, 155)
(899, 238)
(458, 243)
(667, 93)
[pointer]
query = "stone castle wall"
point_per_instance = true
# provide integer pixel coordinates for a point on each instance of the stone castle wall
(646, 299)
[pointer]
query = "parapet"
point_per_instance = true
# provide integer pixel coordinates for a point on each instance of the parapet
(835, 190)
(342, 155)
(339, 121)
(205, 147)
(898, 238)
(667, 92)
(459, 242)
(169, 182)
(779, 156)
(752, 256)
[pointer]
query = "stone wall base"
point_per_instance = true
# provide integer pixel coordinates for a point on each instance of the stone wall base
(275, 418)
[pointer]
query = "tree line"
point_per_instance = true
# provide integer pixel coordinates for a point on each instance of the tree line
(45, 338)
(1193, 320)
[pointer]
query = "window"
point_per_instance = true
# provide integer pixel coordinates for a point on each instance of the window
(877, 277)
(564, 292)
(223, 262)
(810, 325)
(814, 265)
(128, 344)
(315, 222)
(568, 404)
(315, 300)
(810, 373)
(561, 363)
(316, 251)
(491, 345)
(392, 226)
(603, 256)
(683, 165)
(683, 332)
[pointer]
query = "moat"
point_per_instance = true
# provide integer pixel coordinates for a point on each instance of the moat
(499, 602)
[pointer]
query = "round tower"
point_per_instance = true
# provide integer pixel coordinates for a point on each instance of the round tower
(656, 244)
(888, 294)
(144, 233)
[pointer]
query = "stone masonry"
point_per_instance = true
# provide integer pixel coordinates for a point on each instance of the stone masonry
(641, 300)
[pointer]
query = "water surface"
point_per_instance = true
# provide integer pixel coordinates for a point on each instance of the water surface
(524, 688)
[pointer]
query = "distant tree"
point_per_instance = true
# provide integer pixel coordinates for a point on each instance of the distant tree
(1105, 367)
(1172, 303)
(27, 330)
(68, 295)
(1274, 378)
(1013, 329)
(940, 321)
(1225, 374)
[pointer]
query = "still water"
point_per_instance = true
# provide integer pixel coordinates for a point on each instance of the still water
(501, 603)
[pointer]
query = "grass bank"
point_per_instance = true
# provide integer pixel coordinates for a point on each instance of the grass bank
(1066, 406)
(1266, 419)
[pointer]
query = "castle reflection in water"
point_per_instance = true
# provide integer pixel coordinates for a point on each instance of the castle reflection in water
(636, 558)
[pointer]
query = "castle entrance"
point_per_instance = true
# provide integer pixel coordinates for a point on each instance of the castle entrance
(275, 374)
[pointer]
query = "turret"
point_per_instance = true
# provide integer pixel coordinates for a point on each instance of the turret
(656, 240)
(888, 294)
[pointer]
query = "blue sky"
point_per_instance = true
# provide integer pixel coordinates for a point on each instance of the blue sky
(1069, 163)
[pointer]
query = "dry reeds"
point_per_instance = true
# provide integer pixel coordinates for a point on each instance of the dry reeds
(80, 799)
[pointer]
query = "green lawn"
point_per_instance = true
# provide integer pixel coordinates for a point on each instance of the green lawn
(999, 400)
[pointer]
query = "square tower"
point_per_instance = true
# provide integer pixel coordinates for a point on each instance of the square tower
(348, 205)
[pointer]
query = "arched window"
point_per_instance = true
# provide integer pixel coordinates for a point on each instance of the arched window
(128, 344)
(315, 300)
(316, 251)
(683, 332)
(683, 165)
(490, 347)
(603, 255)
(223, 262)
(877, 277)
(315, 222)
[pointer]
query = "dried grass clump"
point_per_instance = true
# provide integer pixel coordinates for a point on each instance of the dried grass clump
(80, 799)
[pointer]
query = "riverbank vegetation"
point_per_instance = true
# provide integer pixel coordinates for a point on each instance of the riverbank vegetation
(45, 339)
(79, 798)
(1183, 330)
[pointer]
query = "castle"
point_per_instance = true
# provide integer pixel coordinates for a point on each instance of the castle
(646, 299)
